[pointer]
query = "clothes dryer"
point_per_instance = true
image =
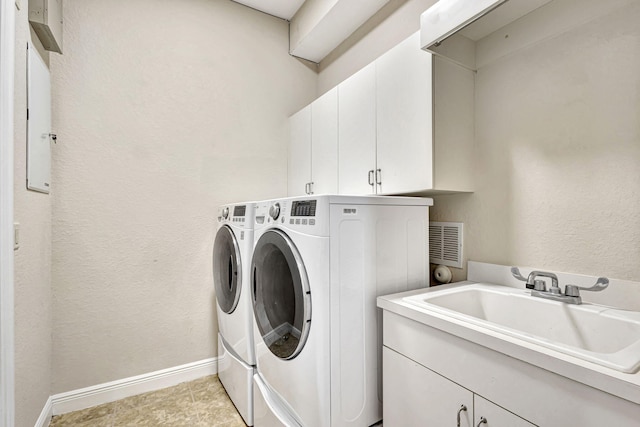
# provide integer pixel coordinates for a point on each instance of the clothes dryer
(319, 262)
(232, 251)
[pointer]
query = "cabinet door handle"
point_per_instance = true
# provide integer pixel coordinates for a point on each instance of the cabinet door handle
(371, 177)
(379, 176)
(462, 408)
(311, 187)
(483, 420)
(306, 188)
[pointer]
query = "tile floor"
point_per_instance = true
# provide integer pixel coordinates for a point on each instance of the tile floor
(198, 403)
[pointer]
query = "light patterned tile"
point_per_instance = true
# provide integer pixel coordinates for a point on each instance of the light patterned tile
(215, 397)
(204, 382)
(218, 415)
(200, 403)
(179, 393)
(158, 414)
(99, 416)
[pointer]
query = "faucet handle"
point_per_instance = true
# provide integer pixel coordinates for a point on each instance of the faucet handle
(540, 285)
(574, 290)
(515, 271)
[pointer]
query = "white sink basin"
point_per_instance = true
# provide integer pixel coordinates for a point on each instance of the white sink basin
(598, 334)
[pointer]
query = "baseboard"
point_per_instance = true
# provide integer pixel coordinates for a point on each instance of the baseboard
(115, 390)
(46, 414)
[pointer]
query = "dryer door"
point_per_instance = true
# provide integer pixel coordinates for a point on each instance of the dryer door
(227, 269)
(280, 294)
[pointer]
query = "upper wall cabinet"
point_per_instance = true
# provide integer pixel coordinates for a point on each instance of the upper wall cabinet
(404, 101)
(299, 162)
(357, 133)
(313, 147)
(405, 126)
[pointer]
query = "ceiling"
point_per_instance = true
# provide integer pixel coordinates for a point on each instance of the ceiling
(321, 25)
(284, 9)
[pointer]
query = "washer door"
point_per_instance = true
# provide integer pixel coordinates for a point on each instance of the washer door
(227, 269)
(280, 294)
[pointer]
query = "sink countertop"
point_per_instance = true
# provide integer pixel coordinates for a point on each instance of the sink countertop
(625, 386)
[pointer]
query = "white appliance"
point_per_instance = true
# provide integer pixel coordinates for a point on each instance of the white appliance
(232, 250)
(319, 262)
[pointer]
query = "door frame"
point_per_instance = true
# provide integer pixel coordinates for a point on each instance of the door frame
(7, 69)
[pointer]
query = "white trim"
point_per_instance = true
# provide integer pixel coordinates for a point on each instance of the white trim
(115, 390)
(7, 70)
(45, 416)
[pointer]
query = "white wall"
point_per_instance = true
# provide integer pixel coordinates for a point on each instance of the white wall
(163, 110)
(558, 147)
(32, 284)
(558, 167)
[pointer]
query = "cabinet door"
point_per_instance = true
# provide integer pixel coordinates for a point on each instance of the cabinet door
(404, 118)
(495, 415)
(299, 162)
(357, 132)
(416, 396)
(324, 143)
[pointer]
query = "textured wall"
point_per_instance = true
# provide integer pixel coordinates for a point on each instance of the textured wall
(558, 147)
(32, 210)
(164, 110)
(558, 165)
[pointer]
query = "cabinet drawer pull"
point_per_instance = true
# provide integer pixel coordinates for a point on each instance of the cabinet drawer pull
(379, 176)
(371, 177)
(483, 420)
(462, 408)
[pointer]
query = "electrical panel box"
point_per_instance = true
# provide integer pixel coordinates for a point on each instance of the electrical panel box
(45, 17)
(39, 134)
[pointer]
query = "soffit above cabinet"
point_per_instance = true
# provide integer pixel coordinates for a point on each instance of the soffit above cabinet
(317, 27)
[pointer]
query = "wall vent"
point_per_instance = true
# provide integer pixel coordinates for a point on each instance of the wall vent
(445, 243)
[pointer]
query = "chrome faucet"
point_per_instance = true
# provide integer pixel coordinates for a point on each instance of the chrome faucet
(571, 294)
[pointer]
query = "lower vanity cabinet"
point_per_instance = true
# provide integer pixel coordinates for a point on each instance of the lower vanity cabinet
(416, 396)
(494, 415)
(413, 395)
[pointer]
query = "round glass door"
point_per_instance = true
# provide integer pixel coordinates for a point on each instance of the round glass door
(227, 272)
(280, 294)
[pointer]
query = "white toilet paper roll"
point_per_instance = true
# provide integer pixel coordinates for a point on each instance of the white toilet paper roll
(442, 274)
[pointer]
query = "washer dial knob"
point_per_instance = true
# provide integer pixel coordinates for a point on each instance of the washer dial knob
(225, 212)
(274, 211)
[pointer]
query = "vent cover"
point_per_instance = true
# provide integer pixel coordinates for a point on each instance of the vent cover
(445, 243)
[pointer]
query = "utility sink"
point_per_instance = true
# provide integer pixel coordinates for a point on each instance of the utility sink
(595, 333)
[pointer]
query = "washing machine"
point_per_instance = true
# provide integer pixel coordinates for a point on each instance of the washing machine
(232, 251)
(319, 262)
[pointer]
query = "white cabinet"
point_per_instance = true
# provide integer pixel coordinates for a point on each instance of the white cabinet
(324, 144)
(404, 100)
(313, 147)
(357, 133)
(524, 391)
(406, 125)
(494, 415)
(299, 162)
(416, 396)
(412, 395)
